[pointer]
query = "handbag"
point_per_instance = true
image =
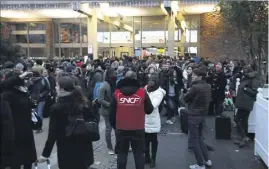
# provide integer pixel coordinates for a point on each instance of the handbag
(79, 128)
(36, 121)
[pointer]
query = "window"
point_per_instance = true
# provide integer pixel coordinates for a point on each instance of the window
(103, 37)
(37, 52)
(69, 33)
(120, 37)
(56, 33)
(84, 33)
(19, 38)
(39, 38)
(151, 36)
(191, 36)
(70, 52)
(56, 52)
(84, 52)
(37, 26)
(18, 26)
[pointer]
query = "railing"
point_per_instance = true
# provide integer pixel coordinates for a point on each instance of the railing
(260, 112)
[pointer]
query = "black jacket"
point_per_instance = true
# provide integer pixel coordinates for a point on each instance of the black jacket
(198, 98)
(17, 145)
(71, 153)
(128, 87)
(218, 83)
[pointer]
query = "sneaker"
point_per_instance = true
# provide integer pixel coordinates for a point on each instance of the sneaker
(173, 119)
(111, 152)
(197, 167)
(208, 163)
(169, 122)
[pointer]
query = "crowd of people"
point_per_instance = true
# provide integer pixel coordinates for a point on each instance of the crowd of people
(129, 94)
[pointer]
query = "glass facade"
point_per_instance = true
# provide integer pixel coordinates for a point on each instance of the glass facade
(70, 36)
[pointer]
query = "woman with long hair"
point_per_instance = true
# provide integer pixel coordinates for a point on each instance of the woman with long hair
(72, 153)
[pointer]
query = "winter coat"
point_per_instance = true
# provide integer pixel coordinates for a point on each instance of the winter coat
(218, 83)
(153, 120)
(20, 148)
(39, 90)
(127, 87)
(71, 153)
(245, 98)
(198, 98)
(104, 98)
(165, 83)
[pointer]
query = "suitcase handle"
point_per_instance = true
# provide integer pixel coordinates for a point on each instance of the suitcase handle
(48, 164)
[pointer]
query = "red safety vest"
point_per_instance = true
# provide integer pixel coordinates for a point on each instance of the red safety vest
(130, 113)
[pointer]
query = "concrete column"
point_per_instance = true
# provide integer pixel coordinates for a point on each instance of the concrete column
(110, 46)
(171, 35)
(49, 39)
(182, 48)
(92, 35)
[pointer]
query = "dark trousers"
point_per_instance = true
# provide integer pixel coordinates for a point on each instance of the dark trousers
(151, 140)
(25, 166)
(215, 107)
(241, 120)
(196, 138)
(136, 139)
(171, 105)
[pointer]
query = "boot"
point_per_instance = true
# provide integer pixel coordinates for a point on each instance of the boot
(244, 142)
(147, 156)
(154, 148)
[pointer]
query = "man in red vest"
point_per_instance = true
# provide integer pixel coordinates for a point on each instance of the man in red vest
(127, 115)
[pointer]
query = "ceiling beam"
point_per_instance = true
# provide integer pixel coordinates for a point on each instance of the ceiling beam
(86, 10)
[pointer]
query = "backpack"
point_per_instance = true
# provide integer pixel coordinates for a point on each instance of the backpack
(96, 89)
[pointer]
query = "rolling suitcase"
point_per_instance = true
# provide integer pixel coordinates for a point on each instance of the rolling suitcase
(223, 127)
(183, 116)
(48, 164)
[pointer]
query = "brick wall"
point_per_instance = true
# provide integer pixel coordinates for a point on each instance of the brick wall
(219, 40)
(49, 39)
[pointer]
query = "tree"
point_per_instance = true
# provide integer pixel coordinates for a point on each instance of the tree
(251, 20)
(9, 52)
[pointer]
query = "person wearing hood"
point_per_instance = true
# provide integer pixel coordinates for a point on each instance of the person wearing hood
(18, 144)
(96, 78)
(104, 99)
(128, 107)
(246, 96)
(153, 120)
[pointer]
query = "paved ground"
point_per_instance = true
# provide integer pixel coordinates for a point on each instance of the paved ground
(172, 152)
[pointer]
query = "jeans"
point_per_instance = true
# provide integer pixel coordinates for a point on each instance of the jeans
(196, 138)
(40, 108)
(216, 107)
(171, 107)
(136, 139)
(108, 132)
